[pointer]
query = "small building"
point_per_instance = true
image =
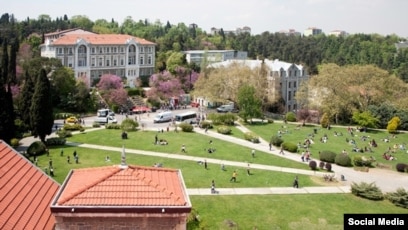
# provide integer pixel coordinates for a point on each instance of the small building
(26, 192)
(312, 31)
(212, 56)
(122, 197)
(338, 33)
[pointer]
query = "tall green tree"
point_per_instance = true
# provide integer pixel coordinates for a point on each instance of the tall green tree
(26, 98)
(42, 119)
(249, 103)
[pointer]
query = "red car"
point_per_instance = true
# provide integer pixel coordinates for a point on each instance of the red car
(195, 104)
(141, 109)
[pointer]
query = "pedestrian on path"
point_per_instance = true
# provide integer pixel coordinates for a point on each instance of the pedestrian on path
(296, 182)
(248, 170)
(50, 163)
(281, 151)
(270, 146)
(223, 167)
(234, 176)
(205, 164)
(213, 191)
(253, 153)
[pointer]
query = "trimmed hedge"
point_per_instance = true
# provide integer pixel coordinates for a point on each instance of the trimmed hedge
(113, 126)
(206, 125)
(398, 198)
(343, 159)
(186, 127)
(288, 146)
(401, 167)
(36, 148)
(313, 165)
(360, 160)
(252, 137)
(55, 141)
(327, 156)
(328, 167)
(276, 141)
(129, 125)
(224, 129)
(15, 142)
(73, 127)
(64, 133)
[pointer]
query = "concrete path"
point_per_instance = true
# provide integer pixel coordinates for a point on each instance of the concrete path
(387, 180)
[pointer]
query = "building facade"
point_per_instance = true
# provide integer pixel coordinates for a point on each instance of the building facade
(213, 56)
(283, 79)
(312, 31)
(93, 55)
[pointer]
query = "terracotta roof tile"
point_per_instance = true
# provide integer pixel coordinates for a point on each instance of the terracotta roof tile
(100, 39)
(26, 193)
(132, 186)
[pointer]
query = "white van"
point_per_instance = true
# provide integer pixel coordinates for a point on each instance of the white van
(163, 117)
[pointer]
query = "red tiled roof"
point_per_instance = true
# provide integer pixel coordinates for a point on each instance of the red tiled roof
(132, 186)
(99, 39)
(25, 193)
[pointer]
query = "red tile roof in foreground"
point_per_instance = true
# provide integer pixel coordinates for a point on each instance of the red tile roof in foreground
(100, 39)
(113, 186)
(25, 193)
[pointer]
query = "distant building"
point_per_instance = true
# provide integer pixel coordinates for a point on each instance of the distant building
(212, 56)
(312, 31)
(283, 78)
(93, 55)
(245, 29)
(338, 33)
(60, 33)
(290, 32)
(401, 45)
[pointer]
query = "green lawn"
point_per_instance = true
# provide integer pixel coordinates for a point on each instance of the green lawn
(294, 134)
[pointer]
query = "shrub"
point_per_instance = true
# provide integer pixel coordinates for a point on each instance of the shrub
(36, 148)
(15, 142)
(290, 116)
(113, 126)
(322, 164)
(206, 125)
(129, 125)
(222, 118)
(96, 124)
(327, 156)
(324, 121)
(72, 127)
(185, 127)
(288, 146)
(359, 160)
(276, 141)
(398, 198)
(64, 133)
(224, 129)
(343, 159)
(270, 121)
(252, 137)
(368, 191)
(55, 141)
(313, 165)
(328, 167)
(401, 167)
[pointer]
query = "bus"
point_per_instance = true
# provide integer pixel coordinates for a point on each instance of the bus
(188, 117)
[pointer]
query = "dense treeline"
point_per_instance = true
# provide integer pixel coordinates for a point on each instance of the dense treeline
(310, 51)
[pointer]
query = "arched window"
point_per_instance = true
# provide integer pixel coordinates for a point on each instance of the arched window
(82, 56)
(132, 55)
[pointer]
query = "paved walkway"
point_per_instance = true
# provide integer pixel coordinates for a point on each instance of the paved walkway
(387, 180)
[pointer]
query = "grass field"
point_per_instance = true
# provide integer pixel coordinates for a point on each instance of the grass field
(312, 211)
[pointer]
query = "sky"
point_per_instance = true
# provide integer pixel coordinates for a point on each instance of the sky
(383, 17)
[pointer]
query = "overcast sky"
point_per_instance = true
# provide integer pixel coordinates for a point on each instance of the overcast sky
(353, 16)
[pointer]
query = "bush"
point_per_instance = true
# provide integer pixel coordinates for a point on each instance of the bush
(64, 133)
(55, 141)
(313, 165)
(36, 148)
(322, 164)
(113, 126)
(359, 160)
(96, 124)
(290, 116)
(270, 121)
(206, 125)
(185, 127)
(289, 147)
(401, 167)
(368, 191)
(15, 142)
(328, 167)
(73, 127)
(398, 198)
(222, 118)
(276, 141)
(343, 159)
(129, 125)
(224, 129)
(327, 156)
(252, 137)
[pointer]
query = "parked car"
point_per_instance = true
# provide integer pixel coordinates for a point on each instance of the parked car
(195, 104)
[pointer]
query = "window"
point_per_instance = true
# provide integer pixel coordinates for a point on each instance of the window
(70, 51)
(122, 62)
(142, 49)
(93, 61)
(100, 50)
(107, 49)
(289, 95)
(107, 62)
(100, 61)
(59, 50)
(149, 60)
(93, 50)
(122, 50)
(294, 84)
(290, 84)
(115, 62)
(141, 61)
(114, 50)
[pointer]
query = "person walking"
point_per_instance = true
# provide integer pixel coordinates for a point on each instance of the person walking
(281, 151)
(253, 153)
(205, 164)
(213, 191)
(296, 182)
(234, 176)
(68, 160)
(62, 152)
(248, 170)
(183, 148)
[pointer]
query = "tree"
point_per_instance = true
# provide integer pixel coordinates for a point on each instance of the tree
(111, 89)
(365, 119)
(63, 85)
(393, 125)
(249, 104)
(164, 86)
(41, 114)
(26, 99)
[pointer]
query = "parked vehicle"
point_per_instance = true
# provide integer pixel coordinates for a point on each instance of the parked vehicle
(163, 117)
(141, 109)
(106, 120)
(71, 120)
(226, 108)
(188, 117)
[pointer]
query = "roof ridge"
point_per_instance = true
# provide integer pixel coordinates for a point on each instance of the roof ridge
(79, 191)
